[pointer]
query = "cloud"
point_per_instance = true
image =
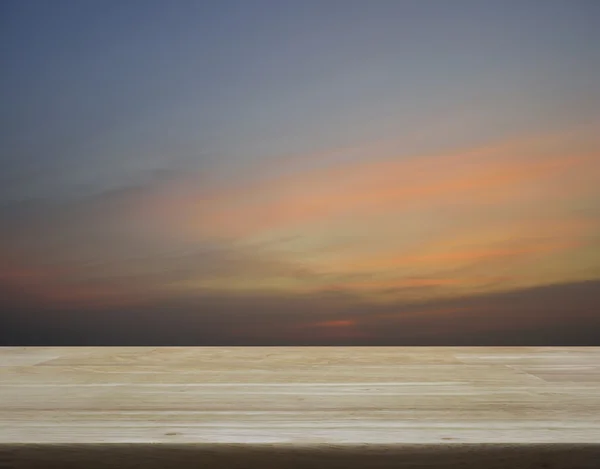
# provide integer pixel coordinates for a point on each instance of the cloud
(381, 231)
(143, 277)
(561, 314)
(511, 173)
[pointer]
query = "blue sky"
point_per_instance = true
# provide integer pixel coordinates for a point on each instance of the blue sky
(102, 92)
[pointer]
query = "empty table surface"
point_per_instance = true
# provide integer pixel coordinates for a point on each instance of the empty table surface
(270, 397)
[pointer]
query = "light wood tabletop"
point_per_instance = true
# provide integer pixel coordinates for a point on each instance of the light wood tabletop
(401, 399)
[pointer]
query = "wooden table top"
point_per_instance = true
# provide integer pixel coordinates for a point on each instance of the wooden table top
(299, 395)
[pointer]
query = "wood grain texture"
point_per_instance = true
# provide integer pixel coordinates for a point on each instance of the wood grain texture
(207, 406)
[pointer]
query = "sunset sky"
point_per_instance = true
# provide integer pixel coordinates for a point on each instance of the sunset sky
(311, 172)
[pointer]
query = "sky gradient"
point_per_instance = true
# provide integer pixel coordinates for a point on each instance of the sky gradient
(278, 172)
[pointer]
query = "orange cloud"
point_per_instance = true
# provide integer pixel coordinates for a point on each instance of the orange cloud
(500, 174)
(492, 244)
(376, 285)
(336, 323)
(459, 219)
(465, 256)
(358, 327)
